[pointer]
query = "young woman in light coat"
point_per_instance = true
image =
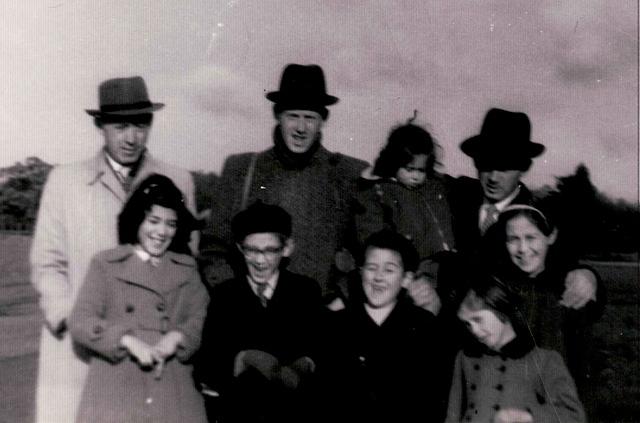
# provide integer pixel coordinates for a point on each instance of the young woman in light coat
(140, 314)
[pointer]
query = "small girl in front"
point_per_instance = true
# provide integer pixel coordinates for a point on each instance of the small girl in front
(140, 314)
(501, 376)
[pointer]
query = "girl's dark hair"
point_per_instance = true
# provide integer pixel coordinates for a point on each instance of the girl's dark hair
(390, 240)
(405, 142)
(156, 190)
(489, 292)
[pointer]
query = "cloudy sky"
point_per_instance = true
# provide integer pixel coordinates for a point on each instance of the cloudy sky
(571, 65)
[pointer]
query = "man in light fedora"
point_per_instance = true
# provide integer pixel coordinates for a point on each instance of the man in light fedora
(502, 153)
(77, 218)
(297, 173)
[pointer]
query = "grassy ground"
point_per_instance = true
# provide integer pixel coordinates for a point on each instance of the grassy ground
(616, 397)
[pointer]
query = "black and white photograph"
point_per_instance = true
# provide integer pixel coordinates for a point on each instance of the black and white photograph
(320, 211)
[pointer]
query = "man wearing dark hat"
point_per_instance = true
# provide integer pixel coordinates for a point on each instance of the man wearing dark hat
(502, 153)
(258, 342)
(76, 219)
(313, 185)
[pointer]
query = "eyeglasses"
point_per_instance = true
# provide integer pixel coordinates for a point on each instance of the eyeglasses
(269, 253)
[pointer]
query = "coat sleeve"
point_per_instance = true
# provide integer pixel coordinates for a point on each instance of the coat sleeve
(456, 392)
(88, 323)
(192, 307)
(370, 213)
(558, 389)
(49, 254)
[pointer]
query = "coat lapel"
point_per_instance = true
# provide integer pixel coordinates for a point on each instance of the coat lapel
(102, 174)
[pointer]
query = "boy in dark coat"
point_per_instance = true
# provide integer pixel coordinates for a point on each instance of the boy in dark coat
(257, 354)
(383, 363)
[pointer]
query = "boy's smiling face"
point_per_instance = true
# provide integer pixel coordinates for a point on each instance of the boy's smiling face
(383, 276)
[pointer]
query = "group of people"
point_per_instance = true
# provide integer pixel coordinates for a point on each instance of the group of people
(318, 289)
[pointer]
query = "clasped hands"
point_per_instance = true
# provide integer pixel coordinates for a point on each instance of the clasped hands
(153, 356)
(268, 366)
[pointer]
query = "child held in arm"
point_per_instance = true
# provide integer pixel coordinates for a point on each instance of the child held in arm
(501, 376)
(404, 192)
(383, 362)
(140, 314)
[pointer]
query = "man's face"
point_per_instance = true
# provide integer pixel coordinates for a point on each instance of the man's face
(498, 184)
(125, 142)
(263, 253)
(300, 129)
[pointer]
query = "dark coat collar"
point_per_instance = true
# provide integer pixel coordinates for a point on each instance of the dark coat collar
(517, 348)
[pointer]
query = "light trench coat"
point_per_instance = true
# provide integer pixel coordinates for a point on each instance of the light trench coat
(76, 219)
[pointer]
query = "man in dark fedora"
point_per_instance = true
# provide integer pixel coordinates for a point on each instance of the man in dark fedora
(76, 219)
(502, 153)
(297, 173)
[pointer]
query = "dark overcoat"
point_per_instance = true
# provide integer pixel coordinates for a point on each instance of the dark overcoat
(386, 373)
(318, 196)
(286, 328)
(124, 295)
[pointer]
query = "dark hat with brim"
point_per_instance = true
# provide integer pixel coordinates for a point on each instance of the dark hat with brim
(302, 87)
(124, 97)
(504, 139)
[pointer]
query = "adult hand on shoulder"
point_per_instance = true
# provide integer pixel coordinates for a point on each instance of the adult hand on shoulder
(424, 295)
(580, 288)
(512, 415)
(140, 350)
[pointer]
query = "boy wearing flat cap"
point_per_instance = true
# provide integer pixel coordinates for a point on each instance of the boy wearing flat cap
(315, 186)
(76, 219)
(258, 341)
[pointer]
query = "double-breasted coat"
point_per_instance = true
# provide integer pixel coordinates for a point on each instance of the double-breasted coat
(76, 219)
(536, 381)
(124, 295)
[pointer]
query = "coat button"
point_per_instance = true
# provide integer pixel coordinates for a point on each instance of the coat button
(496, 407)
(160, 307)
(97, 329)
(499, 387)
(502, 368)
(129, 308)
(472, 405)
(473, 387)
(476, 367)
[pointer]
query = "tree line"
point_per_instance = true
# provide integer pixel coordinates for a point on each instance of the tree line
(601, 227)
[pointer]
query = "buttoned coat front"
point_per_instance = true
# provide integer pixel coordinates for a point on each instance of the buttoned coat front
(76, 219)
(124, 295)
(537, 382)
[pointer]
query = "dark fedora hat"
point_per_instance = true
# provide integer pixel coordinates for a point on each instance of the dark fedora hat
(503, 139)
(302, 87)
(124, 97)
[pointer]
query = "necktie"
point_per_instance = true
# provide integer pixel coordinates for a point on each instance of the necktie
(490, 218)
(260, 288)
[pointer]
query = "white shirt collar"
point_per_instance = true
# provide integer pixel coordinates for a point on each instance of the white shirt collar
(271, 285)
(145, 256)
(502, 204)
(122, 170)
